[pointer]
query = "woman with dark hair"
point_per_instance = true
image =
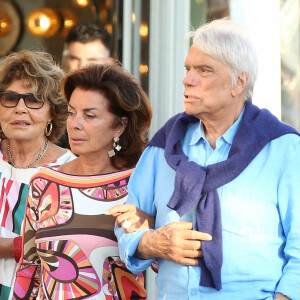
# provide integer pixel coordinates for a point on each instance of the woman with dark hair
(32, 118)
(70, 250)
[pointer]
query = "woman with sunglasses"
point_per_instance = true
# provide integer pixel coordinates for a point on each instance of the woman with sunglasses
(32, 118)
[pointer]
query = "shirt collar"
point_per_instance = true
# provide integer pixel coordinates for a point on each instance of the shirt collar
(198, 131)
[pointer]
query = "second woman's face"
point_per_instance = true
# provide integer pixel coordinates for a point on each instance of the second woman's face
(21, 122)
(90, 123)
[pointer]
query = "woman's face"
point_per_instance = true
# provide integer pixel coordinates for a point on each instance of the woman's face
(21, 122)
(90, 123)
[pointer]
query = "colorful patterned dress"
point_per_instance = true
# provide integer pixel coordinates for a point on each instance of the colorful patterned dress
(13, 195)
(70, 250)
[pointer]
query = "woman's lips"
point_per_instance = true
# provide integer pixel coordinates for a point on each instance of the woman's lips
(20, 123)
(77, 140)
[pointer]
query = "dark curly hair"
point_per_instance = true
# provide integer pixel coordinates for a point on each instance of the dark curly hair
(88, 32)
(125, 98)
(43, 76)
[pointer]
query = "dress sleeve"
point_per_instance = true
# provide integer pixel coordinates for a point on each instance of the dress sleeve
(141, 194)
(28, 275)
(289, 211)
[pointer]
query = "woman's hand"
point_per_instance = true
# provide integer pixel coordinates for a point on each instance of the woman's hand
(281, 297)
(131, 218)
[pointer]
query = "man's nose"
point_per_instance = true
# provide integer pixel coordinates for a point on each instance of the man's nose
(189, 78)
(83, 63)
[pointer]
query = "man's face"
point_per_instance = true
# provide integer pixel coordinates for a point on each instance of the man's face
(208, 86)
(77, 55)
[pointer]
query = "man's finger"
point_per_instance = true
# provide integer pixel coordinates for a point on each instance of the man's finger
(196, 235)
(181, 225)
(192, 253)
(191, 245)
(188, 261)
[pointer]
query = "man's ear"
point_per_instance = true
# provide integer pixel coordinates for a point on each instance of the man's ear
(240, 84)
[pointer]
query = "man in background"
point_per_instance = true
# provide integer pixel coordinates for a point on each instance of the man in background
(86, 43)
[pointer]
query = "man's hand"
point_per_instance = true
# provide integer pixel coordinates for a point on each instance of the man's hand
(281, 297)
(136, 218)
(177, 242)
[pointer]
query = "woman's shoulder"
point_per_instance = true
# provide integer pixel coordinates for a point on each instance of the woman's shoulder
(59, 156)
(62, 176)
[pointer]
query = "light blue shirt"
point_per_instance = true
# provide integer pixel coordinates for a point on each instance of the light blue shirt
(260, 212)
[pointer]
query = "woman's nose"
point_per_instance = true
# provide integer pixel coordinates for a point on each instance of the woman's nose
(76, 122)
(21, 105)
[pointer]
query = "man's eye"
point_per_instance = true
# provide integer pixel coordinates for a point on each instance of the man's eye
(72, 58)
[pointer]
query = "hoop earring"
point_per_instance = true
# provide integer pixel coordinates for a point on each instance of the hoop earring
(48, 129)
(112, 152)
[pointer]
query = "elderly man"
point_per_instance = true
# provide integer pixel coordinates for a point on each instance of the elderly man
(86, 43)
(222, 180)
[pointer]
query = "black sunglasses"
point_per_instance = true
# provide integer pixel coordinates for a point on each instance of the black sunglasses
(11, 99)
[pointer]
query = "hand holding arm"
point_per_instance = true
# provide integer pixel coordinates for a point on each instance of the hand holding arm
(176, 242)
(279, 296)
(139, 219)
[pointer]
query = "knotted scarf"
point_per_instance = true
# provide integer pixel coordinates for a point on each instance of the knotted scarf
(196, 185)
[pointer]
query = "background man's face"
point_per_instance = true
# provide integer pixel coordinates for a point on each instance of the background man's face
(77, 55)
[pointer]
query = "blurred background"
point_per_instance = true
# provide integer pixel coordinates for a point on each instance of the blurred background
(148, 38)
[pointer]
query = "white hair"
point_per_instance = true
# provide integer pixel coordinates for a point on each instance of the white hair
(228, 43)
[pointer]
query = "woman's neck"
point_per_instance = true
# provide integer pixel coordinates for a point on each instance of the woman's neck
(22, 153)
(86, 165)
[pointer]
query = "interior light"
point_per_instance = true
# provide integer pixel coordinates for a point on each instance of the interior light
(143, 69)
(5, 24)
(44, 22)
(68, 20)
(82, 3)
(143, 30)
(69, 23)
(103, 15)
(133, 17)
(108, 3)
(109, 28)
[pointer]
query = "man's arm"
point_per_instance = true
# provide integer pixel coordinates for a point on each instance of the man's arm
(141, 194)
(176, 242)
(289, 211)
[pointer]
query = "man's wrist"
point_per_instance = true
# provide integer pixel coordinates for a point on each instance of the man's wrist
(143, 250)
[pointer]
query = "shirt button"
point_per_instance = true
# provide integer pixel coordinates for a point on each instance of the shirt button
(194, 292)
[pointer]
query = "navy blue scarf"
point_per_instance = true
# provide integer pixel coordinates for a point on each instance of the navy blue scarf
(257, 128)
